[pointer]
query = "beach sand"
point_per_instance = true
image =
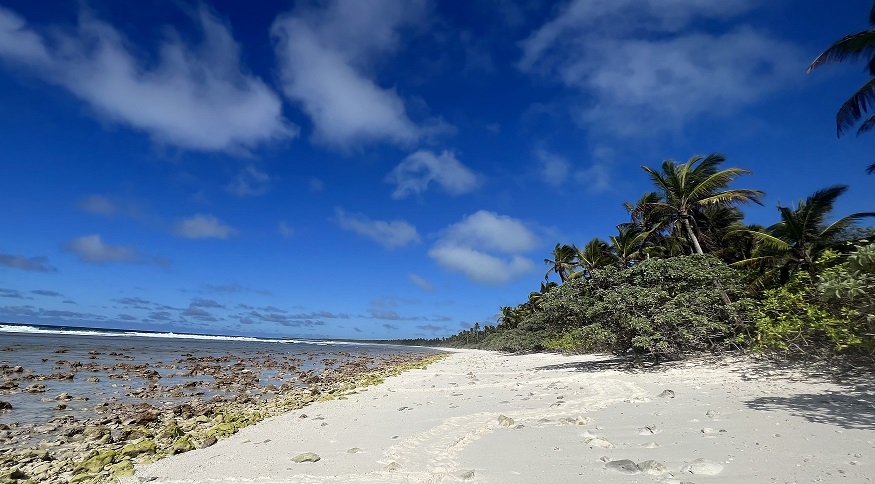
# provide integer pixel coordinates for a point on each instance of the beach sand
(574, 419)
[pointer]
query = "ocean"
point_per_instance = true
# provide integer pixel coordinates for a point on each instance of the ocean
(52, 373)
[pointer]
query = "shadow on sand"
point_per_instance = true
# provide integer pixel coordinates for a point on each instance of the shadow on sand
(850, 406)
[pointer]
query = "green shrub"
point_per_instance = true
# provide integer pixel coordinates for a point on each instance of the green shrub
(665, 307)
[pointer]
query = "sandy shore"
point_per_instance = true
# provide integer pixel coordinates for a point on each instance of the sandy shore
(574, 419)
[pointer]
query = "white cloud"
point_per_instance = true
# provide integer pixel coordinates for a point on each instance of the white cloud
(286, 230)
(91, 248)
(250, 181)
(327, 57)
(390, 235)
(198, 98)
(420, 282)
(98, 204)
(417, 171)
(644, 67)
(203, 227)
(486, 247)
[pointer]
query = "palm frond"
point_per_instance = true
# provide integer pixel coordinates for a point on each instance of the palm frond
(856, 107)
(854, 46)
(843, 223)
(770, 242)
(871, 169)
(716, 181)
(868, 124)
(737, 195)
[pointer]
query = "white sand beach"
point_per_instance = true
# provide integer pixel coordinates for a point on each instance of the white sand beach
(574, 419)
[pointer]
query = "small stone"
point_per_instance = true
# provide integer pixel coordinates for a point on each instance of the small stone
(703, 467)
(650, 445)
(666, 394)
(307, 457)
(467, 476)
(649, 430)
(505, 421)
(652, 467)
(354, 450)
(583, 421)
(92, 379)
(393, 466)
(209, 441)
(709, 431)
(64, 397)
(624, 466)
(35, 388)
(5, 406)
(598, 442)
(712, 414)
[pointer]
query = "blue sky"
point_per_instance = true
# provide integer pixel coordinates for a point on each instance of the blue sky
(380, 168)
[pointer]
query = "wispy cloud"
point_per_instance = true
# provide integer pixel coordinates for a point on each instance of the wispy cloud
(98, 204)
(645, 66)
(419, 170)
(202, 226)
(390, 235)
(420, 282)
(34, 264)
(487, 247)
(249, 182)
(194, 97)
(92, 249)
(286, 230)
(327, 57)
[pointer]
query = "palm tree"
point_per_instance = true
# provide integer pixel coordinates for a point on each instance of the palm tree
(562, 262)
(799, 239)
(628, 245)
(854, 47)
(595, 255)
(687, 189)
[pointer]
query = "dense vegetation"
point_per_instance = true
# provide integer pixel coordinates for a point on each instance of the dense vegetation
(684, 274)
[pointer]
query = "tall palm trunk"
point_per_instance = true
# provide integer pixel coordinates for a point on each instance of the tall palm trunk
(698, 248)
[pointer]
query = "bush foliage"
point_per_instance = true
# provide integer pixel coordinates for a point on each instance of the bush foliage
(663, 307)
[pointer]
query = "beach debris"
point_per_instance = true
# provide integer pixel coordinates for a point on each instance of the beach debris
(307, 457)
(703, 467)
(393, 466)
(649, 430)
(401, 409)
(505, 421)
(712, 414)
(652, 467)
(623, 466)
(709, 431)
(583, 421)
(467, 476)
(666, 394)
(594, 441)
(354, 450)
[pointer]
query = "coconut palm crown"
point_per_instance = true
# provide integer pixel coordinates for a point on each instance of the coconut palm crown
(690, 187)
(855, 47)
